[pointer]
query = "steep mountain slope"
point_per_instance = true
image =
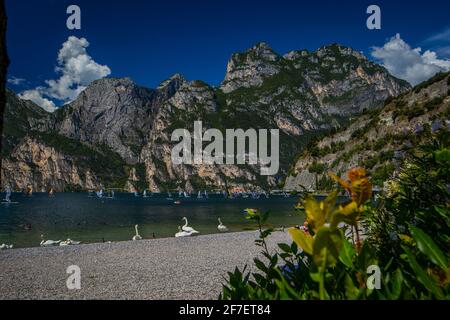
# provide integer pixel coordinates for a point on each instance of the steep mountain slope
(300, 93)
(35, 155)
(377, 140)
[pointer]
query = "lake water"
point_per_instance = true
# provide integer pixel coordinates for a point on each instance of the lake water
(90, 219)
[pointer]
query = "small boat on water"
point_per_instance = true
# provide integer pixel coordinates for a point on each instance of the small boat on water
(99, 193)
(7, 199)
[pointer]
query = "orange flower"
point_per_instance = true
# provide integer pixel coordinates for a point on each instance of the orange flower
(356, 174)
(359, 185)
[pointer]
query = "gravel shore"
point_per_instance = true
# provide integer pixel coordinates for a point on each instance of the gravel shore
(172, 268)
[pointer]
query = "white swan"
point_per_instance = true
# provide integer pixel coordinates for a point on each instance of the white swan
(6, 246)
(48, 243)
(221, 227)
(69, 242)
(182, 233)
(187, 228)
(137, 236)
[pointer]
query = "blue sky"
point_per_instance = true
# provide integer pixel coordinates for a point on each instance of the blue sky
(149, 41)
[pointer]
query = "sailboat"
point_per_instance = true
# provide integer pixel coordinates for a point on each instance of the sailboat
(199, 196)
(7, 199)
(206, 194)
(99, 193)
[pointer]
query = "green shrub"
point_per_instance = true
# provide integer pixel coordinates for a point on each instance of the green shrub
(431, 104)
(414, 112)
(317, 167)
(419, 195)
(322, 263)
(438, 77)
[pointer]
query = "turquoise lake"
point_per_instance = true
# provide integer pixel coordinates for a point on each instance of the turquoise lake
(89, 219)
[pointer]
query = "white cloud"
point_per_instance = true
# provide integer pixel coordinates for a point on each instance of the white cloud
(16, 81)
(77, 69)
(407, 63)
(36, 96)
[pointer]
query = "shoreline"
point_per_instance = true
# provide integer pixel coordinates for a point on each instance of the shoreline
(165, 268)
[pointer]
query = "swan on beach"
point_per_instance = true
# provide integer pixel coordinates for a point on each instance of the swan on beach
(48, 243)
(221, 227)
(182, 233)
(69, 242)
(137, 236)
(187, 228)
(6, 246)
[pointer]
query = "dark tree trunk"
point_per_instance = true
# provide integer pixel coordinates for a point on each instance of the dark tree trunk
(4, 62)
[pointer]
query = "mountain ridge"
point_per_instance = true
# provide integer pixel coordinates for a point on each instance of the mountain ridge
(301, 95)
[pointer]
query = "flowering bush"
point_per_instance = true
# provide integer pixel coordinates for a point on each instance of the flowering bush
(322, 263)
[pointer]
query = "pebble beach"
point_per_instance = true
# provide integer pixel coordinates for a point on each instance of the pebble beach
(170, 268)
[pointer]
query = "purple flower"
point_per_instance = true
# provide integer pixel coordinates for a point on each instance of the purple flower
(418, 128)
(435, 126)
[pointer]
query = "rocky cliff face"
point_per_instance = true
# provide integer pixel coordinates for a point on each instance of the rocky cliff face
(378, 140)
(114, 112)
(33, 163)
(300, 93)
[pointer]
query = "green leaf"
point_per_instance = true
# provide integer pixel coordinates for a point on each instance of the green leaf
(327, 246)
(265, 233)
(264, 216)
(303, 240)
(286, 248)
(422, 276)
(351, 291)
(428, 247)
(294, 248)
(347, 253)
(443, 156)
(260, 265)
(443, 212)
(397, 282)
(366, 256)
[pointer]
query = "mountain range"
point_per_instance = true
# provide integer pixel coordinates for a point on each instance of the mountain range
(116, 134)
